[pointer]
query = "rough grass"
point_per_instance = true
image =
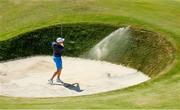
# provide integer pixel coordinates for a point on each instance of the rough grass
(162, 16)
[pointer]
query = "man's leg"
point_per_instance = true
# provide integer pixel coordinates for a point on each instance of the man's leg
(58, 76)
(58, 73)
(55, 73)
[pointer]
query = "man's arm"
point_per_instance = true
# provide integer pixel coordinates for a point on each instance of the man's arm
(53, 43)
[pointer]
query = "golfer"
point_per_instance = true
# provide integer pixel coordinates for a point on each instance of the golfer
(58, 47)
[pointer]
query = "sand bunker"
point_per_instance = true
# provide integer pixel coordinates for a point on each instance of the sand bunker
(29, 77)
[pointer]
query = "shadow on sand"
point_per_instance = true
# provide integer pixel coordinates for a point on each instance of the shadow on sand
(74, 86)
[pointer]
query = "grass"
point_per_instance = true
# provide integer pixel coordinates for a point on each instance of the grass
(162, 16)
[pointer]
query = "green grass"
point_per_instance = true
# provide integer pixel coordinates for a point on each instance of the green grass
(162, 16)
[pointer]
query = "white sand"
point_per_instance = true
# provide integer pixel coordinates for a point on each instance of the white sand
(29, 77)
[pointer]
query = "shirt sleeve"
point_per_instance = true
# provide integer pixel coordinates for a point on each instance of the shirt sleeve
(53, 43)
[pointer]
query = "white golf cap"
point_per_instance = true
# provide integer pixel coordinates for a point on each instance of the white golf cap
(59, 39)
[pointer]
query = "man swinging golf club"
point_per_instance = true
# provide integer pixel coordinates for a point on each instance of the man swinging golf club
(58, 47)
